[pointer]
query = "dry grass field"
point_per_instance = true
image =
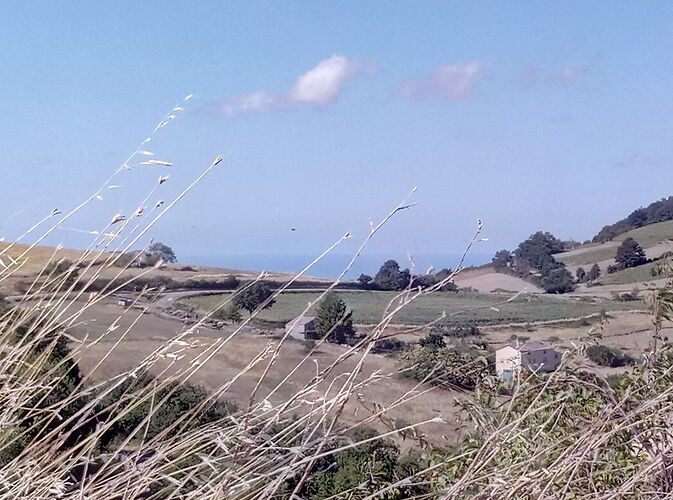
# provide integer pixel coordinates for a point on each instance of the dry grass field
(33, 260)
(486, 280)
(151, 332)
(139, 335)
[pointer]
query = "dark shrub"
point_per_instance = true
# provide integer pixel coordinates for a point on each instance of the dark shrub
(557, 280)
(594, 273)
(613, 268)
(432, 341)
(607, 356)
(230, 282)
(457, 331)
(229, 313)
(388, 345)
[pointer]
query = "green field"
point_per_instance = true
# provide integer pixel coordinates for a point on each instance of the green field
(647, 237)
(636, 275)
(368, 307)
(650, 235)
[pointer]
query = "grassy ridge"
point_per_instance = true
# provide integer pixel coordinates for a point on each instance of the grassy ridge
(650, 235)
(588, 258)
(636, 275)
(368, 307)
(647, 236)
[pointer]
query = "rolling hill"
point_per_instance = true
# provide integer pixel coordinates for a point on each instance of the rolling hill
(656, 239)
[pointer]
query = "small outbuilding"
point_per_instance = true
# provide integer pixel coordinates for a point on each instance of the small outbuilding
(124, 302)
(301, 328)
(532, 356)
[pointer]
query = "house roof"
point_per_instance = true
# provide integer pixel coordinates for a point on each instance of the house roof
(533, 345)
(300, 320)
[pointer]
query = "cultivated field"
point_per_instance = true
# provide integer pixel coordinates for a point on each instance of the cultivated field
(368, 307)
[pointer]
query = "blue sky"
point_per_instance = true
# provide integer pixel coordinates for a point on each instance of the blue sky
(528, 115)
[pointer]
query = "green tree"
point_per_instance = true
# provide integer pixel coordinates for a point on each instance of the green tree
(334, 319)
(557, 280)
(364, 280)
(594, 273)
(581, 274)
(390, 277)
(254, 296)
(630, 254)
(160, 251)
(502, 260)
(539, 248)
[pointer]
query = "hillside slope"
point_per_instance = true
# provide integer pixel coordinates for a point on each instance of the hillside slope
(658, 211)
(31, 261)
(656, 239)
(487, 280)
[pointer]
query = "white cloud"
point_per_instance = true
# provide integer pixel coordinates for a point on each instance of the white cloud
(323, 84)
(320, 86)
(452, 82)
(253, 102)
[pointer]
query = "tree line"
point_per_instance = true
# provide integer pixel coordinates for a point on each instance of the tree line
(659, 211)
(534, 259)
(390, 277)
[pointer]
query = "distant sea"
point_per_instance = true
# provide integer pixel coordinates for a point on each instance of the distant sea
(332, 265)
